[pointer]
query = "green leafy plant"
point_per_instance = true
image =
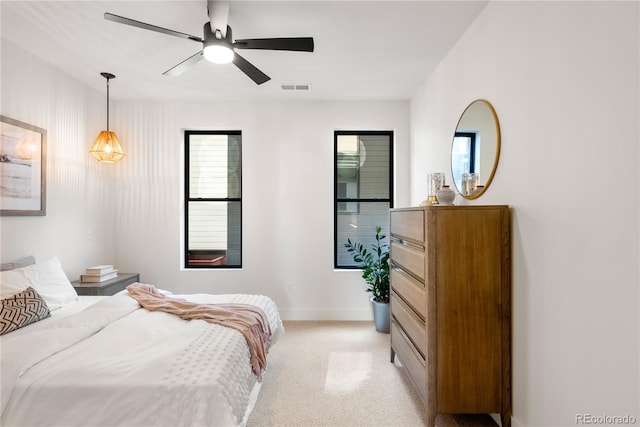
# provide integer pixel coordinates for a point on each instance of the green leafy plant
(374, 265)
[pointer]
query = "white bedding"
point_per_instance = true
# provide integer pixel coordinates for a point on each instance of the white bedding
(115, 364)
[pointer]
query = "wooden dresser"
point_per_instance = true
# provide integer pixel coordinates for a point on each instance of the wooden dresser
(451, 306)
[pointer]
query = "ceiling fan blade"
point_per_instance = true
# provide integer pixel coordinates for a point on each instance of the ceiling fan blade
(122, 20)
(218, 16)
(299, 44)
(250, 70)
(184, 65)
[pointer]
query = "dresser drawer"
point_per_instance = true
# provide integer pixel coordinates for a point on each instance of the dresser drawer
(409, 258)
(410, 322)
(408, 225)
(410, 290)
(410, 358)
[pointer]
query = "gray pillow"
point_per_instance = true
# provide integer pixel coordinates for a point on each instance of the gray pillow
(22, 262)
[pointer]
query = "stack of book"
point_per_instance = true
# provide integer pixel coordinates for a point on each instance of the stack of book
(99, 273)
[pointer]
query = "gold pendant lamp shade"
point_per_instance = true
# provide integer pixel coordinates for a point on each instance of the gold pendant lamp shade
(106, 147)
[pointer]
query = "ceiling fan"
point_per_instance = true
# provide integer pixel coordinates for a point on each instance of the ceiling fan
(218, 44)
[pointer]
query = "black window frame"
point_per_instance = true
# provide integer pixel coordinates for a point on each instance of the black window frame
(188, 199)
(337, 200)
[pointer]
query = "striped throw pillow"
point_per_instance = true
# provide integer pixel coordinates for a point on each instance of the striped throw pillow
(22, 309)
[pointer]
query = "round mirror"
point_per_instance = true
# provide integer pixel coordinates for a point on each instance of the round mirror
(475, 149)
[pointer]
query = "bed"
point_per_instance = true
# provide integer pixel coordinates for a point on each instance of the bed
(105, 361)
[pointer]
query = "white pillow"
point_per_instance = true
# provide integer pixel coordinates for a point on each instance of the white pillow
(13, 282)
(48, 279)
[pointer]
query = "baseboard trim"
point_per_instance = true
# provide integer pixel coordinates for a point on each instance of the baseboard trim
(324, 314)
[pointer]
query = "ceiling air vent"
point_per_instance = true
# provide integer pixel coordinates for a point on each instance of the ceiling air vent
(296, 87)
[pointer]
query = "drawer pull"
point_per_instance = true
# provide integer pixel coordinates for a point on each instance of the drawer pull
(406, 243)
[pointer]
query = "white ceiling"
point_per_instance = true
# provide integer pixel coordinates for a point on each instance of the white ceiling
(364, 50)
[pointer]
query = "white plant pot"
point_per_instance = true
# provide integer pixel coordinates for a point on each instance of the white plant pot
(381, 316)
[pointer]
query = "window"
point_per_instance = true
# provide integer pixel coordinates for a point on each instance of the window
(363, 178)
(213, 199)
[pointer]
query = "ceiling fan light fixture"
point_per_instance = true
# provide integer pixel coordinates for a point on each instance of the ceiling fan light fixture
(217, 49)
(218, 54)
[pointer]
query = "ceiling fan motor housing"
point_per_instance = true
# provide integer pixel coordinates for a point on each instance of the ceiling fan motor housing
(210, 37)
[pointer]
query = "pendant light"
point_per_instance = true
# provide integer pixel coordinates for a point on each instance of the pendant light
(106, 148)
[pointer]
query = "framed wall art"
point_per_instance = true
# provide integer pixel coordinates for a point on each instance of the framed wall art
(22, 168)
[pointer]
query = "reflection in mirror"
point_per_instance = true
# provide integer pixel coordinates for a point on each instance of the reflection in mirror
(475, 149)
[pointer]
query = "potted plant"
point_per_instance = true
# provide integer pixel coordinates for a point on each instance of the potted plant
(375, 272)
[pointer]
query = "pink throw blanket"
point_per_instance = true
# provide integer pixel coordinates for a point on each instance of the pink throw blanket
(247, 319)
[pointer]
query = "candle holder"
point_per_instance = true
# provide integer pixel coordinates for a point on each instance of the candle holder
(436, 181)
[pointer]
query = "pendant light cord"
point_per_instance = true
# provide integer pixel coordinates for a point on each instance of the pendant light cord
(108, 76)
(107, 104)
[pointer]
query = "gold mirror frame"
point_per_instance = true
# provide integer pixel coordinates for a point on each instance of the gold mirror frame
(486, 122)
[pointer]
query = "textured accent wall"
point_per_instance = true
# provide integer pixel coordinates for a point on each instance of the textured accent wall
(287, 229)
(79, 225)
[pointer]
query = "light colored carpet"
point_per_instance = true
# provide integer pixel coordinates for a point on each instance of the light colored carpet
(335, 374)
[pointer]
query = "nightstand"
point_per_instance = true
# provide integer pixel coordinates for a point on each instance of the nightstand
(108, 287)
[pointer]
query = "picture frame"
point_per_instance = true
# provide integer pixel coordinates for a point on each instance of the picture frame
(23, 150)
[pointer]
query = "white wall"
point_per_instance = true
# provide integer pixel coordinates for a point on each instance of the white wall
(563, 78)
(287, 197)
(79, 199)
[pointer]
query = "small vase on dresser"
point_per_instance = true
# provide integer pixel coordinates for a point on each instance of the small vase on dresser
(445, 196)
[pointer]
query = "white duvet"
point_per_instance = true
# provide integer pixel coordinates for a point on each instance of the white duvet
(116, 364)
